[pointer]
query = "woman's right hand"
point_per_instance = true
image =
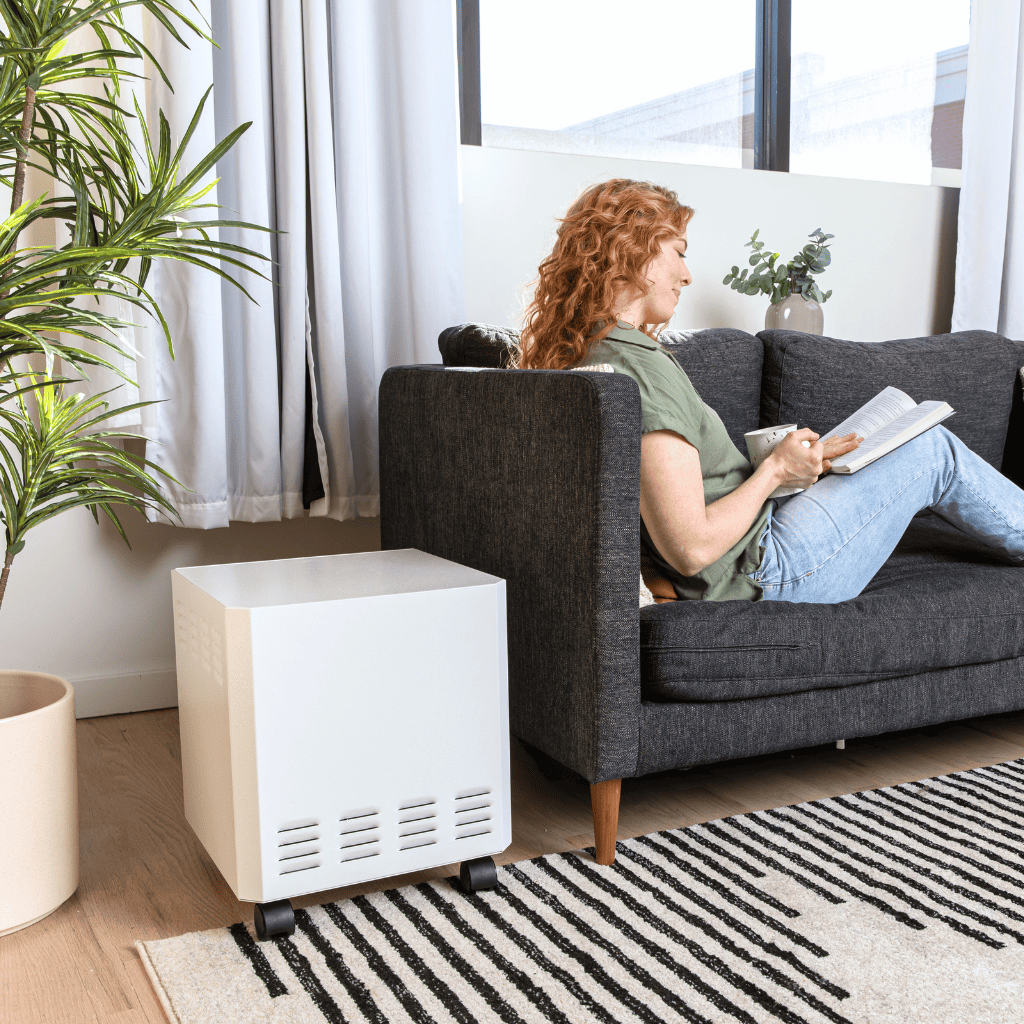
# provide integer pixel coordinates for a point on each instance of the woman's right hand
(794, 464)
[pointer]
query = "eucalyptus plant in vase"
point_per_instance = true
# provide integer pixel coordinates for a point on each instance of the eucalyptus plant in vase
(124, 207)
(796, 299)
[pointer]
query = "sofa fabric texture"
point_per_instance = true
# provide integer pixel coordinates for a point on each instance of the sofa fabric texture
(534, 476)
(723, 364)
(478, 345)
(818, 382)
(941, 600)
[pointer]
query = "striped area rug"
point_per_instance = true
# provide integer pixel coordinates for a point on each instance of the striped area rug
(898, 905)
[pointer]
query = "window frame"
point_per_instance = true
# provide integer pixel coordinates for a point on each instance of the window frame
(771, 80)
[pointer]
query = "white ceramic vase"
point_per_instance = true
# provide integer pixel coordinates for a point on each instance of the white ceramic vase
(795, 313)
(38, 797)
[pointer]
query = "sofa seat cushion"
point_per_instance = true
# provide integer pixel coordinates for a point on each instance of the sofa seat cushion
(940, 601)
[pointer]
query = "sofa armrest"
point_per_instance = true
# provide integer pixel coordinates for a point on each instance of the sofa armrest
(533, 476)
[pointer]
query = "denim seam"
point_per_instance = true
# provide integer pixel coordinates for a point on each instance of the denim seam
(811, 572)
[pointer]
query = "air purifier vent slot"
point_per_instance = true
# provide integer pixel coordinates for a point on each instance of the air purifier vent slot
(362, 812)
(304, 852)
(416, 816)
(291, 826)
(353, 828)
(475, 832)
(423, 801)
(360, 854)
(290, 867)
(298, 839)
(468, 794)
(415, 841)
(417, 830)
(470, 806)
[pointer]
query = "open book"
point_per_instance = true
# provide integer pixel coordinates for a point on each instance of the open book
(890, 419)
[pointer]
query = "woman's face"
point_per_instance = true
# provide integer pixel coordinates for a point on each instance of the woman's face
(667, 275)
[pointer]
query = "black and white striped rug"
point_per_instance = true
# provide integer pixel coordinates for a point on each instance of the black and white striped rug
(903, 904)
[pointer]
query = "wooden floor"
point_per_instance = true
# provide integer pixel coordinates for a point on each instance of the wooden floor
(145, 876)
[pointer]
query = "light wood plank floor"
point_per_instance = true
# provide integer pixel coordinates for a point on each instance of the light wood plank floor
(145, 876)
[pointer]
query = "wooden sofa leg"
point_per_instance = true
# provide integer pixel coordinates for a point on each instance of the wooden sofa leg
(604, 799)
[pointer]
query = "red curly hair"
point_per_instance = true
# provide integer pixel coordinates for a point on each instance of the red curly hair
(605, 243)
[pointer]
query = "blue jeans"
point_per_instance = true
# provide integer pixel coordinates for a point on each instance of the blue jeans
(826, 543)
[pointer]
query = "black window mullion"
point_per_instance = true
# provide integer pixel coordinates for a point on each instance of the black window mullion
(468, 22)
(771, 85)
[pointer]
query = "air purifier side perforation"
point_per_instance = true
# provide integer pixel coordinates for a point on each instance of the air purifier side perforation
(417, 823)
(473, 813)
(359, 832)
(298, 846)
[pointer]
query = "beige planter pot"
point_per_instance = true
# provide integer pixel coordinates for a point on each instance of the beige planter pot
(795, 313)
(38, 797)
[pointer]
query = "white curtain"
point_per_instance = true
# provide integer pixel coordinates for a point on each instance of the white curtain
(990, 246)
(352, 157)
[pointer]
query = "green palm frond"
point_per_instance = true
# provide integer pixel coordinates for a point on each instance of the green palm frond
(124, 207)
(63, 458)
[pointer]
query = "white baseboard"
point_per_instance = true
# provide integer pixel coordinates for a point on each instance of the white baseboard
(116, 695)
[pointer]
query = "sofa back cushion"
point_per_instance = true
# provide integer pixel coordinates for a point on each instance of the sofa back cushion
(818, 381)
(723, 364)
(725, 367)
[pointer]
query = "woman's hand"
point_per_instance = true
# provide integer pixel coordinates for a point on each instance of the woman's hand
(795, 465)
(836, 446)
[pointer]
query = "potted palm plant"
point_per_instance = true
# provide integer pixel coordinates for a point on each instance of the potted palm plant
(124, 208)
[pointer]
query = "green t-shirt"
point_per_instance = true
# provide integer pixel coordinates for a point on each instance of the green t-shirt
(668, 401)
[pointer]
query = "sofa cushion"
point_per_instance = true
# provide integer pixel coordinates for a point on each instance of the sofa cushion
(940, 601)
(478, 345)
(723, 364)
(817, 381)
(725, 367)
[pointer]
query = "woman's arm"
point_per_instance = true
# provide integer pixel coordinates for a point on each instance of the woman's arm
(691, 535)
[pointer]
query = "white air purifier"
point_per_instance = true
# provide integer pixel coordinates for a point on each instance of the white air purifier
(343, 718)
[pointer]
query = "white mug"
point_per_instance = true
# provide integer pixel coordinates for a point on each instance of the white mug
(759, 445)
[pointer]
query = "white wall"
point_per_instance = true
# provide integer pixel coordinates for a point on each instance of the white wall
(83, 606)
(893, 254)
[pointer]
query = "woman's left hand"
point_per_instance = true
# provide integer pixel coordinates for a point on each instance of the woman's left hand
(836, 446)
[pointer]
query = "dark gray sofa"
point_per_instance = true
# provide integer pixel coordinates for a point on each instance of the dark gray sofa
(533, 476)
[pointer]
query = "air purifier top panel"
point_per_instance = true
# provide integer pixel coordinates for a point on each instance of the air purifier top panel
(331, 578)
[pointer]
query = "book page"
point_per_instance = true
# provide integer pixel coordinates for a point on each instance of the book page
(885, 407)
(892, 435)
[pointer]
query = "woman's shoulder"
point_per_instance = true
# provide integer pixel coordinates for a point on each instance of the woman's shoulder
(624, 347)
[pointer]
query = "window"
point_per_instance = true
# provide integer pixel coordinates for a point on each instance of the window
(656, 79)
(879, 94)
(867, 90)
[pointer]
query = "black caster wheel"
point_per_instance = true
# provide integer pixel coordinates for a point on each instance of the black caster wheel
(478, 874)
(273, 919)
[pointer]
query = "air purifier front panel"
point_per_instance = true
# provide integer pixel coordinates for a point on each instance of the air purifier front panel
(368, 732)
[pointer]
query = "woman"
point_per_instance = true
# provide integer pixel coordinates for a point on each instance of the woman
(610, 284)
